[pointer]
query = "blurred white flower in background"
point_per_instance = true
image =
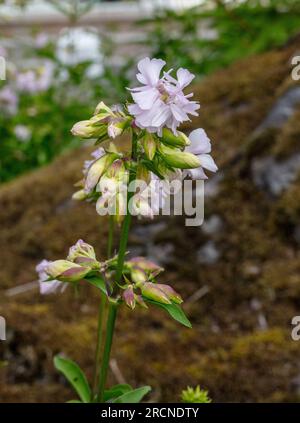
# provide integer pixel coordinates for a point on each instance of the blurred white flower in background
(36, 79)
(22, 132)
(79, 45)
(8, 100)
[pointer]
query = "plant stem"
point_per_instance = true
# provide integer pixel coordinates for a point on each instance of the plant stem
(110, 236)
(112, 312)
(102, 314)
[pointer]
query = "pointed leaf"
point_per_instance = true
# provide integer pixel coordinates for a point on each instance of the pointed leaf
(116, 391)
(174, 310)
(98, 282)
(134, 396)
(75, 376)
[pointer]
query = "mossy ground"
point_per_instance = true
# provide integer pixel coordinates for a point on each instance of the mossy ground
(240, 347)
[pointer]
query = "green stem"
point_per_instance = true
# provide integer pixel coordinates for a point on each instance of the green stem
(112, 313)
(101, 325)
(102, 314)
(110, 236)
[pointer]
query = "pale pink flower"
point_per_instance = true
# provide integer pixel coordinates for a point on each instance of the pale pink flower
(160, 102)
(201, 147)
(48, 287)
(36, 80)
(8, 100)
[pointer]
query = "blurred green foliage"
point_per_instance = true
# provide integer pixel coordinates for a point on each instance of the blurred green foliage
(201, 39)
(204, 39)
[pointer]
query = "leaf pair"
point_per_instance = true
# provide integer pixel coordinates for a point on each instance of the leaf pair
(119, 394)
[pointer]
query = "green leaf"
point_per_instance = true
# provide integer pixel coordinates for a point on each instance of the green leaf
(75, 376)
(116, 391)
(174, 310)
(134, 396)
(74, 402)
(98, 282)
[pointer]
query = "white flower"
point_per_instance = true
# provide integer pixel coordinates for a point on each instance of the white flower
(50, 287)
(36, 80)
(201, 147)
(22, 132)
(160, 101)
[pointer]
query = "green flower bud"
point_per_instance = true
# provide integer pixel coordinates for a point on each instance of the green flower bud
(96, 170)
(149, 145)
(143, 174)
(138, 275)
(66, 271)
(87, 129)
(168, 138)
(151, 290)
(79, 195)
(178, 159)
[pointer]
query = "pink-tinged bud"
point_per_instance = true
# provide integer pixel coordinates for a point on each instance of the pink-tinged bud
(96, 170)
(170, 293)
(129, 297)
(138, 275)
(151, 290)
(66, 271)
(83, 254)
(145, 264)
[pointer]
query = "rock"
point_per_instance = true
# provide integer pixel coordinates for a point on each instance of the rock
(275, 176)
(282, 110)
(212, 225)
(208, 254)
(161, 254)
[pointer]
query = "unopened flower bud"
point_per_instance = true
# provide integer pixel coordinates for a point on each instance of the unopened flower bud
(180, 140)
(79, 195)
(149, 145)
(138, 275)
(151, 290)
(178, 159)
(143, 174)
(97, 169)
(103, 109)
(86, 129)
(83, 254)
(66, 271)
(144, 264)
(170, 293)
(129, 297)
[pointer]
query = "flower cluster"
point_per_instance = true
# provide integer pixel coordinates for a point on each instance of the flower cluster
(138, 283)
(160, 152)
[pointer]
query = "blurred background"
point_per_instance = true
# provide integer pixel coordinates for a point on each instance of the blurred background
(239, 272)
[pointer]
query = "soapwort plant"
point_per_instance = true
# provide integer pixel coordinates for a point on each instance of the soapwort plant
(139, 144)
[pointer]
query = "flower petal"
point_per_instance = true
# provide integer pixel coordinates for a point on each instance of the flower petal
(150, 70)
(200, 143)
(208, 162)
